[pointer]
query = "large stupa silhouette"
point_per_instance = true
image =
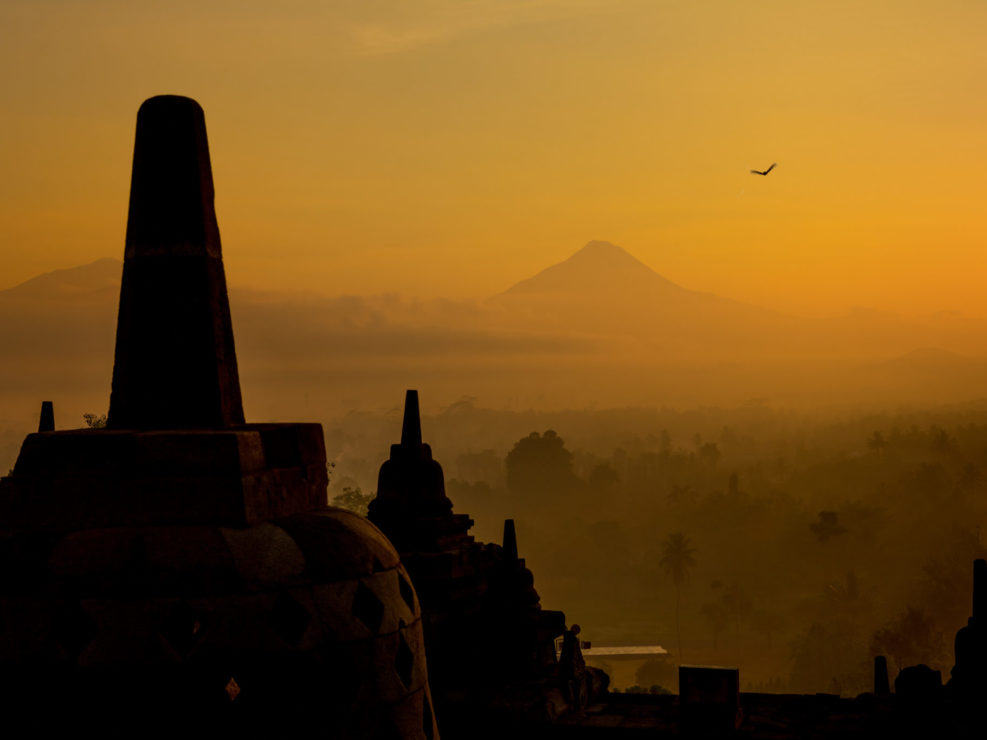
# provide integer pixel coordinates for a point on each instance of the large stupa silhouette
(178, 573)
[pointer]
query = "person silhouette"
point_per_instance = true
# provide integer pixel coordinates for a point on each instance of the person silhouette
(572, 667)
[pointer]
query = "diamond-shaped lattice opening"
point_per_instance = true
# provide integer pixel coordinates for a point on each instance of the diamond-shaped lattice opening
(407, 592)
(232, 689)
(74, 630)
(404, 662)
(428, 724)
(367, 607)
(289, 619)
(181, 628)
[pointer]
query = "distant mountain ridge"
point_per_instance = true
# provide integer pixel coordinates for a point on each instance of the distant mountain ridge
(600, 325)
(93, 278)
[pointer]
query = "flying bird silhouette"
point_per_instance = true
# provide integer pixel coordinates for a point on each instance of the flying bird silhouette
(758, 172)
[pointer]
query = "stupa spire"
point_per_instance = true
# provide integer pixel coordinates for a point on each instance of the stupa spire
(47, 421)
(175, 363)
(411, 427)
(510, 540)
(980, 590)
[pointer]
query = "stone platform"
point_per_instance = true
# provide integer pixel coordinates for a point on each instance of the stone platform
(234, 477)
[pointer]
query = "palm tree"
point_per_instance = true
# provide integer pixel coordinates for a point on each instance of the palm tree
(677, 560)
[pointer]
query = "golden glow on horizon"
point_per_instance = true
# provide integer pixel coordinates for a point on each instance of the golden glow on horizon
(467, 144)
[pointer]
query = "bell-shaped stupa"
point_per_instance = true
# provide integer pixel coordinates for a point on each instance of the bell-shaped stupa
(491, 647)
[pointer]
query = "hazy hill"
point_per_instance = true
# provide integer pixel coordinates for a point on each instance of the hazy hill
(931, 367)
(96, 282)
(57, 330)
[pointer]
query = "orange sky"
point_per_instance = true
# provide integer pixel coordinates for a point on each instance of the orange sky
(466, 144)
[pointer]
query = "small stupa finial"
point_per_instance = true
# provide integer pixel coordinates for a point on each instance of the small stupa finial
(882, 687)
(510, 539)
(411, 428)
(980, 590)
(47, 421)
